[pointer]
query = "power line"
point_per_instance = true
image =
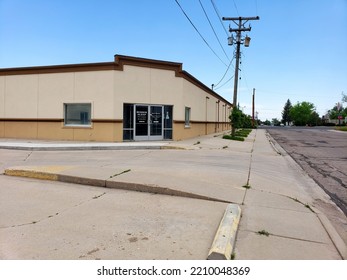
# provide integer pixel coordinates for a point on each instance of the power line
(237, 10)
(215, 34)
(224, 83)
(199, 33)
(231, 61)
(219, 17)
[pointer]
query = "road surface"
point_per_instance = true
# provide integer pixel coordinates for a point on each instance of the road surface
(322, 153)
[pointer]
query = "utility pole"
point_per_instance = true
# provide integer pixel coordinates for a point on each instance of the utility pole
(240, 22)
(253, 107)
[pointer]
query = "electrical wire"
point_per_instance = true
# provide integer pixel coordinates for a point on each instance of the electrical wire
(219, 17)
(199, 33)
(225, 83)
(237, 10)
(231, 61)
(215, 34)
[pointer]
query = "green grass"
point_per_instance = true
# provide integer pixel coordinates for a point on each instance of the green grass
(236, 138)
(341, 128)
(240, 135)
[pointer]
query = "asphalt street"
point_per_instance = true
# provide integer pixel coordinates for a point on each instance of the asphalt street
(322, 153)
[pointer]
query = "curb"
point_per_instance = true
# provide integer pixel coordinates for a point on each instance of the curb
(225, 236)
(80, 147)
(35, 172)
(223, 243)
(56, 173)
(334, 236)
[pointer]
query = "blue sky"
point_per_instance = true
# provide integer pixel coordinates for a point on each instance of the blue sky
(298, 49)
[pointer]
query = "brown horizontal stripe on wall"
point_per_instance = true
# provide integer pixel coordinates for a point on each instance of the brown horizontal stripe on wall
(29, 120)
(55, 120)
(58, 69)
(106, 121)
(179, 121)
(201, 122)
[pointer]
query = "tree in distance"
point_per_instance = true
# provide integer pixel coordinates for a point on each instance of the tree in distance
(286, 119)
(304, 113)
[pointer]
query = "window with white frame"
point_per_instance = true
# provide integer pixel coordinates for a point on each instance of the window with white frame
(187, 117)
(77, 114)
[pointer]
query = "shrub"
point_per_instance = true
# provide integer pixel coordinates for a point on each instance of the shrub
(237, 138)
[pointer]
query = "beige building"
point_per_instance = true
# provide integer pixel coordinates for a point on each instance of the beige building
(128, 99)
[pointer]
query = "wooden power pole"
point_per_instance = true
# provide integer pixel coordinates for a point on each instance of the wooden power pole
(253, 105)
(240, 22)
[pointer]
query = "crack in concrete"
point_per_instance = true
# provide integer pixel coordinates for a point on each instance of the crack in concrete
(28, 156)
(117, 174)
(54, 215)
(286, 237)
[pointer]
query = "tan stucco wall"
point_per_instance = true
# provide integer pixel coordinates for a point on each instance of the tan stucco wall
(54, 90)
(2, 97)
(180, 132)
(204, 107)
(110, 132)
(2, 129)
(148, 86)
(20, 130)
(43, 95)
(21, 96)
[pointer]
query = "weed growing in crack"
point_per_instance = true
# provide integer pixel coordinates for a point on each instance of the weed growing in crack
(246, 187)
(306, 205)
(97, 196)
(263, 232)
(309, 207)
(117, 174)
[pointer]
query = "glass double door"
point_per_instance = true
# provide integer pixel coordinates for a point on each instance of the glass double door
(148, 122)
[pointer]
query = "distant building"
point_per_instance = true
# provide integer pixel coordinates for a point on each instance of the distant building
(129, 99)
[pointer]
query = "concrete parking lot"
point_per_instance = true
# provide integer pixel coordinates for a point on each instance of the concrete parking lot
(181, 194)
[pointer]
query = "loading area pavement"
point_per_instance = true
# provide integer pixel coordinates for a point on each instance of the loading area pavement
(166, 201)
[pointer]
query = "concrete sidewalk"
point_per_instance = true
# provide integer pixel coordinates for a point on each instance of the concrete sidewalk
(40, 145)
(279, 218)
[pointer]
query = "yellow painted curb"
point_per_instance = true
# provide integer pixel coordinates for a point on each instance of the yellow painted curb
(37, 172)
(32, 174)
(223, 244)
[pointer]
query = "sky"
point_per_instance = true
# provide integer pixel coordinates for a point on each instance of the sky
(298, 48)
